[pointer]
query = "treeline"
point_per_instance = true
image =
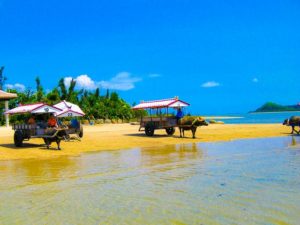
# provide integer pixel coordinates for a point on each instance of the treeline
(96, 106)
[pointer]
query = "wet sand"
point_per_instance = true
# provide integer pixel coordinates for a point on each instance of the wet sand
(125, 136)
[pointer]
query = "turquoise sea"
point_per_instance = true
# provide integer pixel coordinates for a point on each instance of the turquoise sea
(257, 117)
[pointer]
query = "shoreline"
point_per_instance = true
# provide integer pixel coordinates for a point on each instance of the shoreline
(125, 136)
(223, 117)
(274, 112)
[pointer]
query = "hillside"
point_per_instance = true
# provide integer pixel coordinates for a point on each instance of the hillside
(274, 107)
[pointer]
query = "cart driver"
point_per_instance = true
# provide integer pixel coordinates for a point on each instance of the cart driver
(179, 114)
(74, 123)
(52, 121)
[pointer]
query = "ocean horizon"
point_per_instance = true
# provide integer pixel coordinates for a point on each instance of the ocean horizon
(252, 118)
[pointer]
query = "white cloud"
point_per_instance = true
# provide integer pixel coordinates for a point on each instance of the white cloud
(16, 86)
(20, 86)
(154, 75)
(67, 81)
(210, 84)
(9, 86)
(84, 81)
(122, 81)
(255, 80)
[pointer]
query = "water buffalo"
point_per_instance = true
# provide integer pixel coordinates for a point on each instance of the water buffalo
(190, 123)
(293, 121)
(53, 135)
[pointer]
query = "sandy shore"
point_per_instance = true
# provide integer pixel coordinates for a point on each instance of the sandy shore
(125, 136)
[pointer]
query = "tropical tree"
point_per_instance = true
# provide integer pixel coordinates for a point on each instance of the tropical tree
(95, 106)
(53, 97)
(69, 93)
(39, 90)
(24, 97)
(62, 89)
(2, 78)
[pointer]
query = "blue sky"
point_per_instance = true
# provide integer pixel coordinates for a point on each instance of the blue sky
(220, 56)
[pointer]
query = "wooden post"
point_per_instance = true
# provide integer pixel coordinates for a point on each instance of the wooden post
(6, 115)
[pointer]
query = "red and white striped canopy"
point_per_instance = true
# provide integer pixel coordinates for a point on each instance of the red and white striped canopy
(164, 103)
(68, 109)
(33, 108)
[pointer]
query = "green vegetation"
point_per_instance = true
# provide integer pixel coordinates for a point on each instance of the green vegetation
(109, 107)
(2, 78)
(273, 107)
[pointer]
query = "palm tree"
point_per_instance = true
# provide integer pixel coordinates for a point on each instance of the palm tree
(109, 106)
(39, 90)
(72, 94)
(68, 94)
(63, 89)
(2, 78)
(53, 97)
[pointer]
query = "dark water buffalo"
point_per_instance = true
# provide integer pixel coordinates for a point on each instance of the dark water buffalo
(53, 135)
(293, 122)
(190, 123)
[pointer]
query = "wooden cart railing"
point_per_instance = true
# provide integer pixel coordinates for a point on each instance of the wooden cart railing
(158, 122)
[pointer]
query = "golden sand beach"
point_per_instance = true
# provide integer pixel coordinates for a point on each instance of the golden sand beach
(125, 136)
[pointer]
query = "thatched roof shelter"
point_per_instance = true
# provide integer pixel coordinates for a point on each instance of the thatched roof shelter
(5, 96)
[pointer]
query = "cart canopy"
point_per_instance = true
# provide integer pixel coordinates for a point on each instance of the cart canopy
(68, 109)
(164, 103)
(33, 108)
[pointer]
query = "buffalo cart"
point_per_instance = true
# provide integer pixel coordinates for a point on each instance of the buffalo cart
(39, 127)
(71, 110)
(25, 132)
(159, 115)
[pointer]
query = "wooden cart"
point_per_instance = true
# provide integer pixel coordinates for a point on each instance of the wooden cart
(25, 131)
(159, 117)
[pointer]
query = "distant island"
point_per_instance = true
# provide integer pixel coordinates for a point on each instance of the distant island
(274, 107)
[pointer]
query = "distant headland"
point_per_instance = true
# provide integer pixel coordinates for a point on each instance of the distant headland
(274, 107)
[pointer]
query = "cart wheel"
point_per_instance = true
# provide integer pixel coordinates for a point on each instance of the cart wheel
(170, 130)
(81, 131)
(18, 138)
(149, 129)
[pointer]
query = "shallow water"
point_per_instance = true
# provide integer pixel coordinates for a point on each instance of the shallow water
(255, 181)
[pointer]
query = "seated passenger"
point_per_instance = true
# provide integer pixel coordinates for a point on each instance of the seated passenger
(52, 121)
(42, 124)
(31, 120)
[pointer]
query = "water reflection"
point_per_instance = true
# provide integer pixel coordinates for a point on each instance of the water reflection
(32, 171)
(294, 141)
(186, 183)
(171, 163)
(171, 153)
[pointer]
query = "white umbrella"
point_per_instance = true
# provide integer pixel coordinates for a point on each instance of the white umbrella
(68, 109)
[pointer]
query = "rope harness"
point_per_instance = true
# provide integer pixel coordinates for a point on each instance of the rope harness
(195, 120)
